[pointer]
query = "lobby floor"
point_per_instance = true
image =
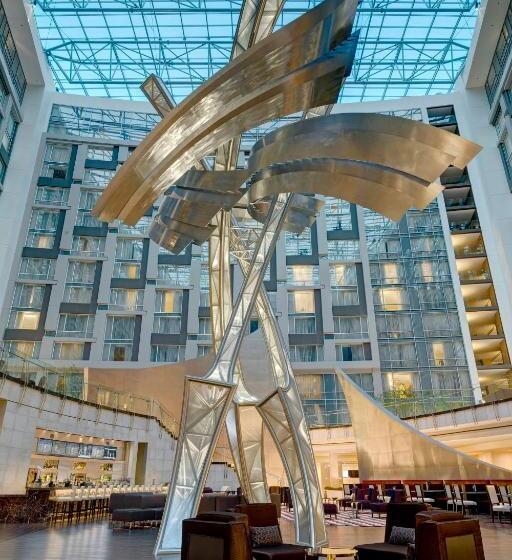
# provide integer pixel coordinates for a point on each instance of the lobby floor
(95, 541)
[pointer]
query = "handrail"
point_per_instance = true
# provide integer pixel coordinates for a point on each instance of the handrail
(408, 405)
(70, 383)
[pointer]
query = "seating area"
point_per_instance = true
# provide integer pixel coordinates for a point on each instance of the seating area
(414, 531)
(470, 498)
(412, 526)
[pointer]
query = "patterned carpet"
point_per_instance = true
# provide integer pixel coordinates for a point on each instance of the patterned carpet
(346, 519)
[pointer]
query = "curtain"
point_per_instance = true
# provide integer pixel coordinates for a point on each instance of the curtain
(120, 328)
(301, 301)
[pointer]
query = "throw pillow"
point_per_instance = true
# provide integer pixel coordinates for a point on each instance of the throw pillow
(402, 535)
(266, 536)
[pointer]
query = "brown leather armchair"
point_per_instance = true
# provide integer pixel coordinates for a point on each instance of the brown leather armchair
(265, 515)
(216, 536)
(276, 500)
(398, 515)
(440, 537)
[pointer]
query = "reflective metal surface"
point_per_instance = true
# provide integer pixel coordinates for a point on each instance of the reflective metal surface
(205, 405)
(380, 162)
(279, 75)
(385, 163)
(158, 95)
(256, 21)
(200, 431)
(390, 449)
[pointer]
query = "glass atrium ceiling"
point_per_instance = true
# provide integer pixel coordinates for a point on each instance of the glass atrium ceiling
(108, 47)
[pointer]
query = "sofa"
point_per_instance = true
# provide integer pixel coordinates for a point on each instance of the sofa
(135, 508)
(218, 501)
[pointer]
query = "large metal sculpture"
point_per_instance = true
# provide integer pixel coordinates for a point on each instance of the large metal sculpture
(390, 449)
(381, 162)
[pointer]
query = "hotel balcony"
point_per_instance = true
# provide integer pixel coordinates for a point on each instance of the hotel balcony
(454, 177)
(443, 117)
(484, 324)
(491, 355)
(479, 296)
(458, 197)
(463, 220)
(468, 245)
(473, 269)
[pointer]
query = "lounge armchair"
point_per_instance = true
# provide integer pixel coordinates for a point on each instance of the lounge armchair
(216, 536)
(330, 509)
(265, 515)
(398, 515)
(443, 536)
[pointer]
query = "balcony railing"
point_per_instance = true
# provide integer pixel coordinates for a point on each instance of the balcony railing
(125, 307)
(328, 410)
(75, 334)
(470, 250)
(466, 226)
(71, 384)
(49, 275)
(92, 254)
(475, 275)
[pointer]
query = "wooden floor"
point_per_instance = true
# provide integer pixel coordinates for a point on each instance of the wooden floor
(95, 541)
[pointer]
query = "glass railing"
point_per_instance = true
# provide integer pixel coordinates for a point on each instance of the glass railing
(70, 383)
(324, 411)
(474, 275)
(328, 412)
(470, 250)
(457, 202)
(473, 225)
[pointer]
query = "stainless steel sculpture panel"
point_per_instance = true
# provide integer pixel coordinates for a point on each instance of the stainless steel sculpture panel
(390, 449)
(250, 434)
(195, 446)
(256, 21)
(277, 76)
(332, 155)
(205, 406)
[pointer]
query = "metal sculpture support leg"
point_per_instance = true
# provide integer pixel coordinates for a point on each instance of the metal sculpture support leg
(221, 307)
(292, 437)
(205, 404)
(252, 457)
(283, 415)
(204, 413)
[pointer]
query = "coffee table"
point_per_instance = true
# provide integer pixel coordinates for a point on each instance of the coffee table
(332, 553)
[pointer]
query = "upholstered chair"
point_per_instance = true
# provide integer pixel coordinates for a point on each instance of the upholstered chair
(398, 515)
(216, 536)
(441, 538)
(265, 515)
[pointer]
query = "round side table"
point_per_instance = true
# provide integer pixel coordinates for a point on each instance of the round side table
(332, 553)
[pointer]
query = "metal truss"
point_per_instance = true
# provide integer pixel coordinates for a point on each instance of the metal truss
(108, 47)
